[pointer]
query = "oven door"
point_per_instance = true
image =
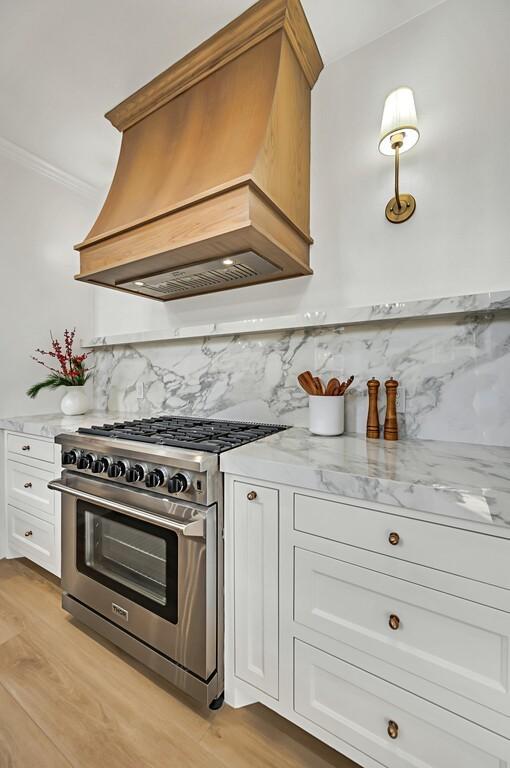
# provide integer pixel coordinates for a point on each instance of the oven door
(145, 563)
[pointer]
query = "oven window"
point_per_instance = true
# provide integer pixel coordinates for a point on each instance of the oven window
(135, 559)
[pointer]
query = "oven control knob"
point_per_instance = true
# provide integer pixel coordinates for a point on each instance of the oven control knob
(117, 469)
(100, 465)
(106, 462)
(135, 474)
(85, 462)
(178, 483)
(71, 457)
(155, 478)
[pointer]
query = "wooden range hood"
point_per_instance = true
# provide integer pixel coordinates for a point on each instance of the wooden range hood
(212, 183)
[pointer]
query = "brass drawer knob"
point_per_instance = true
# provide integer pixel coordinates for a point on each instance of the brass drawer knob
(394, 538)
(28, 533)
(392, 729)
(25, 447)
(27, 485)
(394, 621)
(251, 496)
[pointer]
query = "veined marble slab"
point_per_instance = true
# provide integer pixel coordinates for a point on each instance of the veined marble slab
(52, 424)
(448, 305)
(454, 371)
(470, 482)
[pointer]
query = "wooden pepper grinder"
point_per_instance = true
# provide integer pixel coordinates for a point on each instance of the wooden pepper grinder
(373, 428)
(390, 422)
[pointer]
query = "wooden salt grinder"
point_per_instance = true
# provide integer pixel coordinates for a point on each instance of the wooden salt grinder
(390, 422)
(373, 428)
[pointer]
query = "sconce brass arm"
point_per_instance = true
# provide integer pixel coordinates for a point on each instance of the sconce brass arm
(396, 142)
(397, 174)
(402, 206)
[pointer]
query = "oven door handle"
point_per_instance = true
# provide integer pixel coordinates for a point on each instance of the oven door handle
(196, 528)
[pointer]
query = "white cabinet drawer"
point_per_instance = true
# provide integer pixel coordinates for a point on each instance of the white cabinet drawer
(464, 553)
(27, 488)
(455, 643)
(361, 709)
(256, 525)
(31, 447)
(33, 538)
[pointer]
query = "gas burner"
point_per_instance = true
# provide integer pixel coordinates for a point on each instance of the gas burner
(208, 435)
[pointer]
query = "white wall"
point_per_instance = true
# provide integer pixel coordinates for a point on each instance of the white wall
(39, 221)
(456, 58)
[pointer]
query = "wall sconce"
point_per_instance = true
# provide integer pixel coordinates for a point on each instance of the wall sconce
(399, 132)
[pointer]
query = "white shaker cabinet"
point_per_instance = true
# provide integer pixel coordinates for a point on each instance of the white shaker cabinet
(383, 631)
(255, 538)
(31, 510)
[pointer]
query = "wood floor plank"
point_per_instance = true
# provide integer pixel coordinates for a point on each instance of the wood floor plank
(101, 663)
(98, 707)
(22, 743)
(11, 620)
(8, 568)
(255, 736)
(92, 726)
(11, 623)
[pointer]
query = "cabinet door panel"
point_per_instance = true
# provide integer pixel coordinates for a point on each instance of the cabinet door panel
(33, 538)
(389, 724)
(457, 644)
(27, 487)
(463, 553)
(30, 447)
(256, 526)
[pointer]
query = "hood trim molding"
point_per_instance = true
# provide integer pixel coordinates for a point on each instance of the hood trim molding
(254, 25)
(240, 182)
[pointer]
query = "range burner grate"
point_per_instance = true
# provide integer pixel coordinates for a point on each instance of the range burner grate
(209, 435)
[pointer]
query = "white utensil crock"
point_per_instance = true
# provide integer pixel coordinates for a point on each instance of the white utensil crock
(74, 402)
(326, 414)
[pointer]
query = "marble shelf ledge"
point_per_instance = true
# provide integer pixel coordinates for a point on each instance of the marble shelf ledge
(449, 305)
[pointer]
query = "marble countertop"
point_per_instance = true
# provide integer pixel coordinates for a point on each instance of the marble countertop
(52, 424)
(459, 480)
(470, 482)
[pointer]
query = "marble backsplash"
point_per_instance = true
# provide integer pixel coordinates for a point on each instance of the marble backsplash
(455, 372)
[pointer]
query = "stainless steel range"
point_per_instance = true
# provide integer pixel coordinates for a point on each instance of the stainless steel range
(142, 541)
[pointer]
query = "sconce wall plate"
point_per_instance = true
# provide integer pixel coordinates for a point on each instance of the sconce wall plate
(407, 207)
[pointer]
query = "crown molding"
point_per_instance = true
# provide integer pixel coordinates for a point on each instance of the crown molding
(254, 25)
(37, 164)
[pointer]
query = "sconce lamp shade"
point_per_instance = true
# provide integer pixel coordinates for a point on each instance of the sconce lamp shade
(399, 116)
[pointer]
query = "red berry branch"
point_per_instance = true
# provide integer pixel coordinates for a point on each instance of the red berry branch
(71, 370)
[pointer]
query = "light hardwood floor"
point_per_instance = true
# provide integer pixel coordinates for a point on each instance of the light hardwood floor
(70, 699)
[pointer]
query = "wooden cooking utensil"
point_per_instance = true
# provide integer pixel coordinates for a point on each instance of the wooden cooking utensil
(307, 382)
(333, 387)
(345, 385)
(319, 386)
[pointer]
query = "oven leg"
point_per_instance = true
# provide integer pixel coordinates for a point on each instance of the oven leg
(217, 703)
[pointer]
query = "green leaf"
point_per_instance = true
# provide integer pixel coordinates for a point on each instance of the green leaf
(51, 382)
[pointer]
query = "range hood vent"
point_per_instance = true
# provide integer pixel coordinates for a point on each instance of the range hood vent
(197, 278)
(214, 166)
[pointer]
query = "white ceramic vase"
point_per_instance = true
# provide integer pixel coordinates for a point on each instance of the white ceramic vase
(74, 402)
(326, 414)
